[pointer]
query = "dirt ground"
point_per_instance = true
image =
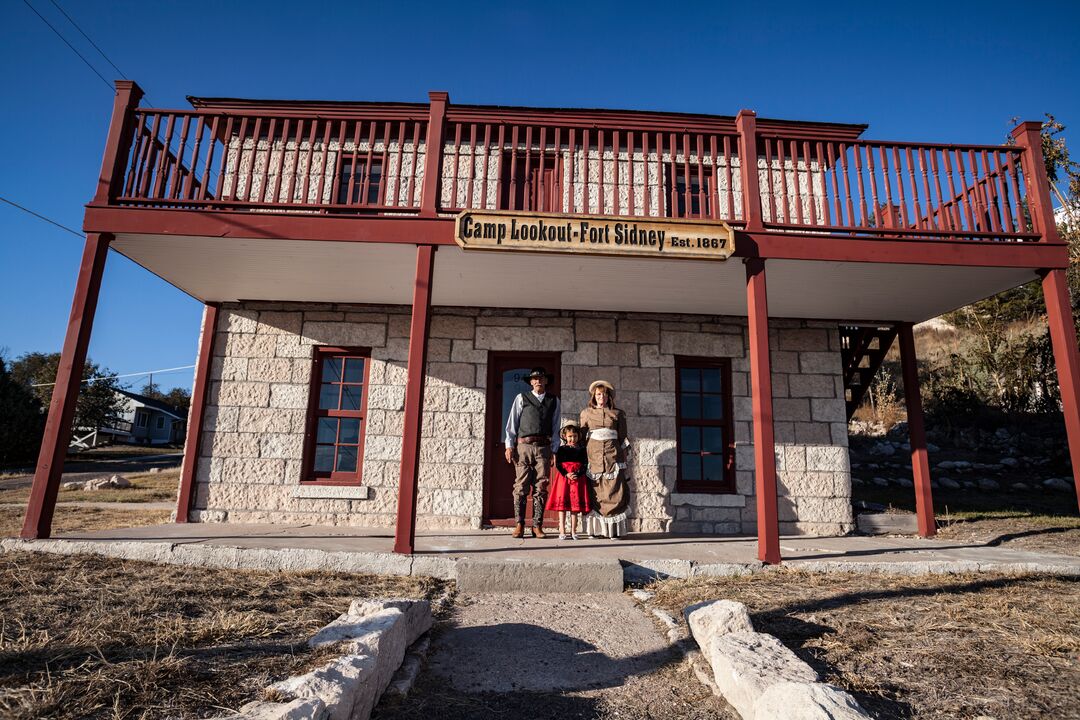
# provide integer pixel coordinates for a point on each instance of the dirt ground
(557, 656)
(91, 637)
(935, 647)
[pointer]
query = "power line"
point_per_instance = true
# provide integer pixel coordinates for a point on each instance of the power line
(107, 83)
(41, 217)
(114, 377)
(83, 33)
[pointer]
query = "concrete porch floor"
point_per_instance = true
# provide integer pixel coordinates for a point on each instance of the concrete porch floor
(447, 554)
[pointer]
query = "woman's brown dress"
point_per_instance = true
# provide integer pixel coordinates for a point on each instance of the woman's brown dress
(607, 462)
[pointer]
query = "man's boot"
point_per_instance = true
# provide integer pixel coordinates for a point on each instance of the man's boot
(538, 532)
(519, 530)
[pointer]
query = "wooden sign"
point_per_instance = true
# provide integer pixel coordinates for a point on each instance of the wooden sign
(595, 235)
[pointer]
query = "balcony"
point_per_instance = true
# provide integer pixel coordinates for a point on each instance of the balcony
(855, 229)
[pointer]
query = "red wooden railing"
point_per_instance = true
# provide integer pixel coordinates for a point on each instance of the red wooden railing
(376, 161)
(894, 188)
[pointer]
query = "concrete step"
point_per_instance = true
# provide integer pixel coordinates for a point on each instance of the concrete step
(497, 576)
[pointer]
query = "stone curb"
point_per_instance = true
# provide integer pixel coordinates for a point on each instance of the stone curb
(486, 576)
(758, 675)
(603, 576)
(375, 636)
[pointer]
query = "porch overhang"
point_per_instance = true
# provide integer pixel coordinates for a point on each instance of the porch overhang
(228, 269)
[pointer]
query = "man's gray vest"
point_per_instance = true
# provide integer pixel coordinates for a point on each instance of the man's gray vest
(537, 416)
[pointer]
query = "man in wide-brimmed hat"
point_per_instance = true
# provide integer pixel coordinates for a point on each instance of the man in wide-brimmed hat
(531, 440)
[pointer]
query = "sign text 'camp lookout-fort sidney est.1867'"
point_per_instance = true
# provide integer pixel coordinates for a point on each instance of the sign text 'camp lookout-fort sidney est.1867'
(603, 235)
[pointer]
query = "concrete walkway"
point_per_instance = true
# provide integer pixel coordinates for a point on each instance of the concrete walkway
(554, 655)
(447, 554)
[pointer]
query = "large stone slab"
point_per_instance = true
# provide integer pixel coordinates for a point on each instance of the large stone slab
(807, 701)
(708, 620)
(486, 576)
(746, 664)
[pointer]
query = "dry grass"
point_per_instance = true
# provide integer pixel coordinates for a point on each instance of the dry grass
(72, 520)
(91, 637)
(958, 646)
(1012, 529)
(145, 487)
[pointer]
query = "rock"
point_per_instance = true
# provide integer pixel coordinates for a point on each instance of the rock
(1059, 484)
(1010, 462)
(642, 595)
(988, 484)
(708, 620)
(746, 664)
(880, 481)
(116, 481)
(961, 465)
(1021, 487)
(931, 447)
(904, 482)
(302, 709)
(884, 448)
(945, 465)
(948, 483)
(74, 485)
(968, 484)
(807, 701)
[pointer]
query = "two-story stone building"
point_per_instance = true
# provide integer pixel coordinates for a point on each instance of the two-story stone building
(367, 325)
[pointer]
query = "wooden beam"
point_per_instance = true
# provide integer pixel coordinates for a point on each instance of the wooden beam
(920, 463)
(54, 443)
(1063, 337)
(405, 530)
(761, 395)
(199, 391)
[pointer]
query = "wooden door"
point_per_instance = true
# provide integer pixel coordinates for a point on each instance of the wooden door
(506, 380)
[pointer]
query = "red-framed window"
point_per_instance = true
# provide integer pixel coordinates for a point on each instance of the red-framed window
(334, 442)
(689, 190)
(705, 437)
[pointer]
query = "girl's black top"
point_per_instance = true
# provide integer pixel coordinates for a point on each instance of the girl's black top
(569, 453)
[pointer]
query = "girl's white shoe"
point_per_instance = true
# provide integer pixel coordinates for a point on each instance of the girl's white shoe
(562, 536)
(573, 536)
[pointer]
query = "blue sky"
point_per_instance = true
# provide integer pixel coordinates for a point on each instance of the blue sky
(952, 72)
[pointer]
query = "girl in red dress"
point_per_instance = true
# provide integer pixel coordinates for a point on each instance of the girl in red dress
(569, 493)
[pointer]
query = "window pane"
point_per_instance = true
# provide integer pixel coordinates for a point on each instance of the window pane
(712, 440)
(350, 397)
(712, 407)
(328, 397)
(711, 380)
(327, 432)
(690, 380)
(690, 406)
(324, 458)
(354, 370)
(713, 468)
(331, 370)
(350, 431)
(691, 467)
(346, 459)
(691, 439)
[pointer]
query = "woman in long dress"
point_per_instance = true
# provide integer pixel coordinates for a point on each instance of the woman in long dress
(605, 427)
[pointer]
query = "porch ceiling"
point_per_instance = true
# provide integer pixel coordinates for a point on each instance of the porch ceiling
(228, 269)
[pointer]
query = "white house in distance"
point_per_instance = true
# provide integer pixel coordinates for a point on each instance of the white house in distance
(143, 421)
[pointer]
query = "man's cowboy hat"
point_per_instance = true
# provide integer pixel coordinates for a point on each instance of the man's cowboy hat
(539, 372)
(603, 384)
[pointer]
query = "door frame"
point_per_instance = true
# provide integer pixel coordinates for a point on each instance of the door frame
(493, 423)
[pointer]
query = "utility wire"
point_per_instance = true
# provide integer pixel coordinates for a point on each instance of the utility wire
(114, 377)
(83, 33)
(41, 217)
(107, 83)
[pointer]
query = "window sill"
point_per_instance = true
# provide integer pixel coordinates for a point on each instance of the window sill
(717, 498)
(332, 492)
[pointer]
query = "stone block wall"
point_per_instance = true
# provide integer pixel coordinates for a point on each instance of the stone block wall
(253, 432)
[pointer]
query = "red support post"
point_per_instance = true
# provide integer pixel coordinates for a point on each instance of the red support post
(429, 194)
(193, 442)
(761, 396)
(920, 462)
(405, 531)
(1067, 358)
(118, 142)
(746, 125)
(54, 443)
